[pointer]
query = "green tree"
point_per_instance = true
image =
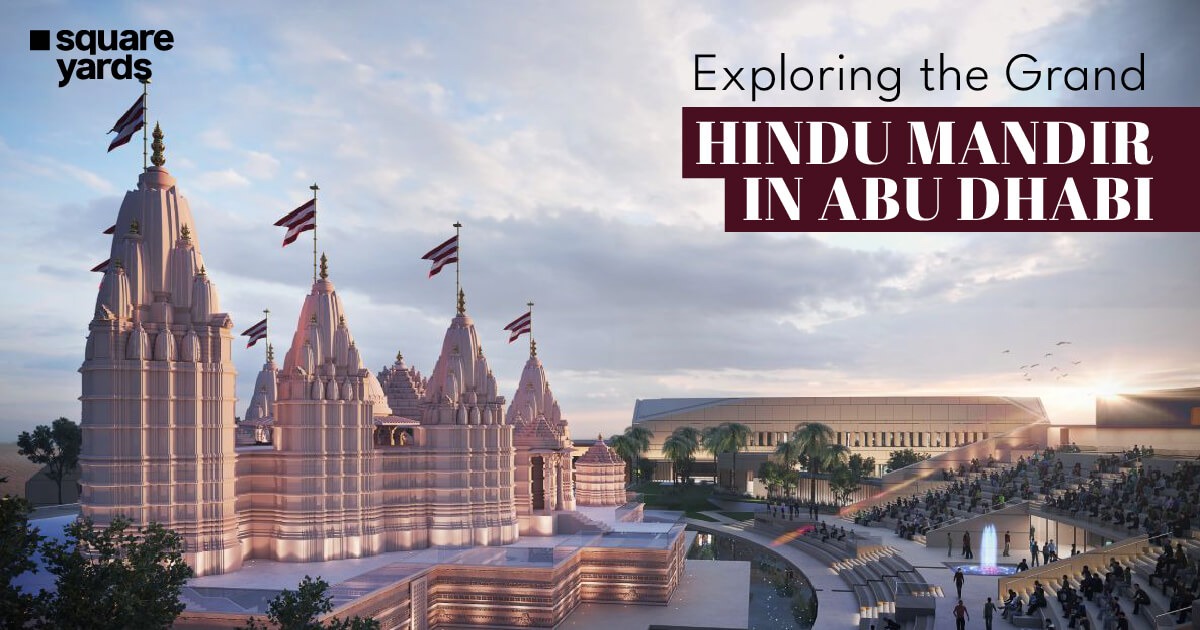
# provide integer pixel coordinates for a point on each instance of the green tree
(818, 451)
(625, 449)
(17, 545)
(774, 476)
(862, 466)
(56, 447)
(789, 453)
(630, 446)
(680, 447)
(906, 457)
(299, 610)
(640, 437)
(115, 577)
(844, 481)
(737, 438)
(712, 441)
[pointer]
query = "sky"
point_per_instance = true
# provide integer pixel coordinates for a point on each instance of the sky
(551, 131)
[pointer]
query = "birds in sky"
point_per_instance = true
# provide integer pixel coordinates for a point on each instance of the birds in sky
(1028, 370)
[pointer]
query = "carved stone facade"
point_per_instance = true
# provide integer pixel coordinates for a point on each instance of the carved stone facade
(600, 476)
(158, 383)
(545, 480)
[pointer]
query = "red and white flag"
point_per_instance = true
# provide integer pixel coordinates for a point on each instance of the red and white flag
(520, 326)
(442, 255)
(256, 332)
(300, 220)
(129, 123)
(102, 267)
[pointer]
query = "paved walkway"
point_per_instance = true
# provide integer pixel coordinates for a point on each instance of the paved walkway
(837, 607)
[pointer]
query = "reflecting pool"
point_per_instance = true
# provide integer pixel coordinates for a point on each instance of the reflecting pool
(780, 595)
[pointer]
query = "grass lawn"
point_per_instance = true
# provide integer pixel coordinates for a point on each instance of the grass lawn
(690, 499)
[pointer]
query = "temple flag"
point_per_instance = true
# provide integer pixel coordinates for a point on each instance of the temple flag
(442, 255)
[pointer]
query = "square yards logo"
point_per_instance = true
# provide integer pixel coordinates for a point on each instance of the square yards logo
(96, 44)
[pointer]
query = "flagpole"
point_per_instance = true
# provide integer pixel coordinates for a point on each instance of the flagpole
(314, 188)
(530, 304)
(458, 267)
(145, 119)
(267, 332)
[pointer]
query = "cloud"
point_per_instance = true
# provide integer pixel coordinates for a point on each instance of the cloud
(227, 178)
(553, 134)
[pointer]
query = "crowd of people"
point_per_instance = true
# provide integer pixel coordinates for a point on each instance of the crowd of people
(1137, 501)
(965, 493)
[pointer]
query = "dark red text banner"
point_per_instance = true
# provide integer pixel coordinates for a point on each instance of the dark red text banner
(909, 169)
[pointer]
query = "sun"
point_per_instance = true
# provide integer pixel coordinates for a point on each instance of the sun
(1107, 389)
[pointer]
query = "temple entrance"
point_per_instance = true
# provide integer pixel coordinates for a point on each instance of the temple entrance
(537, 482)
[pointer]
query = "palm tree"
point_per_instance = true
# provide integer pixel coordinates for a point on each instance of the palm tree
(683, 444)
(691, 434)
(626, 450)
(640, 438)
(789, 454)
(677, 449)
(737, 438)
(818, 451)
(712, 440)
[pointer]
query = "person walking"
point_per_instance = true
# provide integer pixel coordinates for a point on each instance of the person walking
(959, 578)
(949, 544)
(966, 550)
(1034, 551)
(1007, 542)
(961, 616)
(988, 610)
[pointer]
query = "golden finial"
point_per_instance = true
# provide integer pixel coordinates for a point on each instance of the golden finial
(203, 271)
(599, 437)
(185, 233)
(270, 353)
(324, 266)
(399, 357)
(134, 228)
(313, 319)
(342, 321)
(117, 263)
(462, 303)
(157, 159)
(533, 349)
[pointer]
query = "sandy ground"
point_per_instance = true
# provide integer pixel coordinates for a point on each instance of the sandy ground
(18, 469)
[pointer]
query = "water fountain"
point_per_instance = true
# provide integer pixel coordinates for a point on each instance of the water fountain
(987, 556)
(987, 550)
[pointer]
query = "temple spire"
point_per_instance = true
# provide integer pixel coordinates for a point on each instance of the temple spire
(462, 307)
(532, 343)
(145, 116)
(315, 188)
(158, 159)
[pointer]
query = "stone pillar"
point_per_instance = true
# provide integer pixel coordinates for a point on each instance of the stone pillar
(548, 485)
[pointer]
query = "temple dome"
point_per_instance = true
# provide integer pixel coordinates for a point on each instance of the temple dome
(600, 454)
(404, 387)
(323, 346)
(462, 388)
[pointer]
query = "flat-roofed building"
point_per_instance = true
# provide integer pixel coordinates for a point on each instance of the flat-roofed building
(872, 426)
